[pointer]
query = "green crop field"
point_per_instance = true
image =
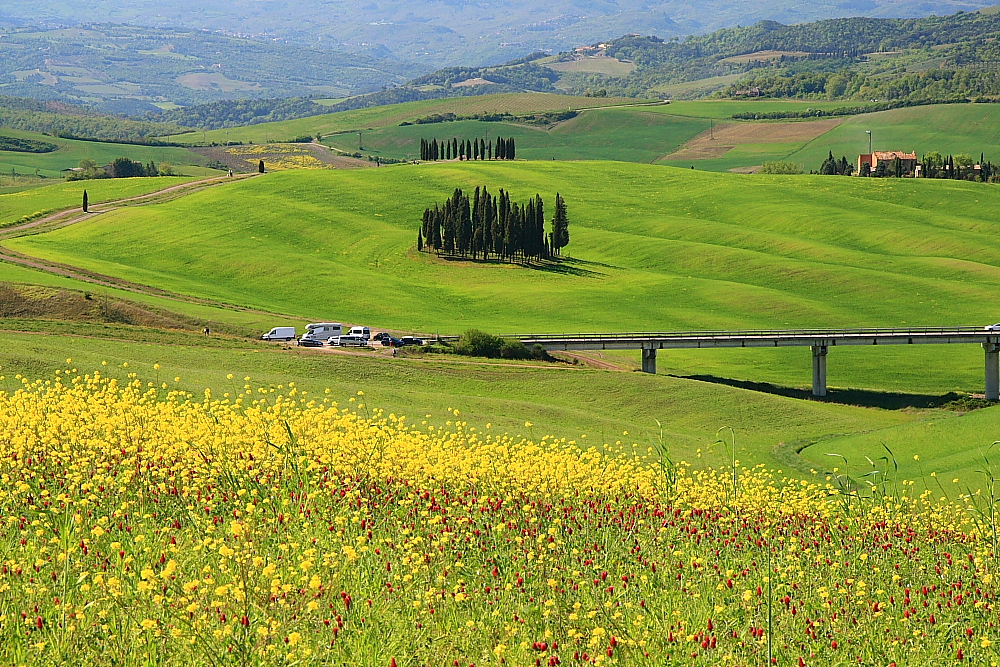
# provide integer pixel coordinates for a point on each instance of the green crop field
(71, 151)
(630, 135)
(374, 117)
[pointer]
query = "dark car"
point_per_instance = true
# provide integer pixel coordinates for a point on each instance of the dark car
(311, 342)
(412, 340)
(389, 341)
(381, 336)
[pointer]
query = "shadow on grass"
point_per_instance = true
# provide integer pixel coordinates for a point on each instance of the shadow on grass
(563, 265)
(860, 397)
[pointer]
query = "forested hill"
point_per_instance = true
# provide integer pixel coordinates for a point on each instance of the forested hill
(947, 56)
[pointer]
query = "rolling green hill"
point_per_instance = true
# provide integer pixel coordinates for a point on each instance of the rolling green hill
(946, 128)
(652, 248)
(627, 134)
(39, 201)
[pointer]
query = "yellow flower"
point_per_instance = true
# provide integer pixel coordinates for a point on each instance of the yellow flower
(294, 638)
(148, 624)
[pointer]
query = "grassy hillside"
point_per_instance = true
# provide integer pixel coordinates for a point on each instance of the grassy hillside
(946, 128)
(630, 135)
(59, 196)
(652, 248)
(383, 116)
(71, 151)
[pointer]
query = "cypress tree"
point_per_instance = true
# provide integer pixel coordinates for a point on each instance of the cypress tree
(86, 202)
(436, 229)
(420, 241)
(454, 148)
(560, 226)
(540, 227)
(489, 150)
(260, 167)
(513, 150)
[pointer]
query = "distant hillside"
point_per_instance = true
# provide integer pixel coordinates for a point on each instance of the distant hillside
(74, 121)
(132, 69)
(447, 33)
(855, 58)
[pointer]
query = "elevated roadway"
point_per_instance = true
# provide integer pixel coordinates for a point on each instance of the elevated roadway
(820, 340)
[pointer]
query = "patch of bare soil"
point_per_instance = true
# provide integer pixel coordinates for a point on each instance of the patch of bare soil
(718, 141)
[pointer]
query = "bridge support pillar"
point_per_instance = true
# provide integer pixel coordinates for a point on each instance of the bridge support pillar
(819, 370)
(649, 361)
(992, 371)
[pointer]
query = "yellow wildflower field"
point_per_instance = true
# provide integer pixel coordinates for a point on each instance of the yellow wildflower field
(268, 526)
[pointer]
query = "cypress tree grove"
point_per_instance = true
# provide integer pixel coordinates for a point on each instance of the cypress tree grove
(465, 149)
(492, 227)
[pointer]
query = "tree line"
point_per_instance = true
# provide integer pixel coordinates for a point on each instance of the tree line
(122, 167)
(477, 149)
(493, 227)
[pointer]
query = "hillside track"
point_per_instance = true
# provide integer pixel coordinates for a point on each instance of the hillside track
(73, 216)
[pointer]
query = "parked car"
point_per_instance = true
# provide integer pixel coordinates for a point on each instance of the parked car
(380, 336)
(412, 340)
(389, 341)
(280, 333)
(993, 327)
(352, 340)
(311, 342)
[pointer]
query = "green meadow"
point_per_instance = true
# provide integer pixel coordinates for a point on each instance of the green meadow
(589, 406)
(71, 151)
(946, 128)
(36, 202)
(653, 248)
(626, 134)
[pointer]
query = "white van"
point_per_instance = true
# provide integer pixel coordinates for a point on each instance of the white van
(350, 340)
(322, 331)
(280, 333)
(363, 332)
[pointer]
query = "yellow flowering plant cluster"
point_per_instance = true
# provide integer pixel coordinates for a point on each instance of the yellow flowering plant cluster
(145, 526)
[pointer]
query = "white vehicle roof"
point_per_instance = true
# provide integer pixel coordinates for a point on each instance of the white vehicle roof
(321, 325)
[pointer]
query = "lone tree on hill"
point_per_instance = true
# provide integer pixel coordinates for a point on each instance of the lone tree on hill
(86, 202)
(260, 167)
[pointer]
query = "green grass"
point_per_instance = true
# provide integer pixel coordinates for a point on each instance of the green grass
(946, 128)
(724, 109)
(70, 152)
(63, 195)
(564, 401)
(653, 248)
(631, 135)
(384, 116)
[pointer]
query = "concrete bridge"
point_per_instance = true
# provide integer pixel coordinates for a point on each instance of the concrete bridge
(820, 340)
